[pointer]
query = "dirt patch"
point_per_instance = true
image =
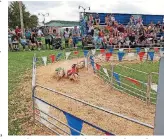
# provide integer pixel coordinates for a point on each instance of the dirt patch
(20, 111)
(95, 91)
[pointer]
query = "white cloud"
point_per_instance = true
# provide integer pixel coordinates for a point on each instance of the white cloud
(68, 10)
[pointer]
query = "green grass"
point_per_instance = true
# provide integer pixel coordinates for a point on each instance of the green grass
(20, 64)
(129, 87)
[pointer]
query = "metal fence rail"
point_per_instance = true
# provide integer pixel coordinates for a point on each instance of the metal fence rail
(107, 111)
(144, 91)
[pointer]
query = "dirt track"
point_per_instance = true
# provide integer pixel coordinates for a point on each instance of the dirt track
(95, 91)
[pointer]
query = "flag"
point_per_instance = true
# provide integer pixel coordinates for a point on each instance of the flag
(93, 51)
(92, 62)
(120, 55)
(98, 66)
(44, 108)
(67, 54)
(111, 50)
(108, 55)
(106, 72)
(162, 52)
(75, 123)
(131, 56)
(58, 56)
(102, 51)
(76, 52)
(147, 49)
(154, 87)
(133, 81)
(121, 49)
(44, 59)
(138, 49)
(141, 55)
(86, 53)
(156, 49)
(52, 57)
(151, 55)
(117, 77)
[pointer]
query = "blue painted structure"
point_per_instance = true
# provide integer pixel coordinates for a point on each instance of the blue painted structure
(125, 18)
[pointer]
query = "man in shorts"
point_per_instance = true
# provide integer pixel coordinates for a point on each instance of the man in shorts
(75, 36)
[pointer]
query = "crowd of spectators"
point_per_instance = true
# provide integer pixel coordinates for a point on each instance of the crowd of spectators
(118, 35)
(41, 38)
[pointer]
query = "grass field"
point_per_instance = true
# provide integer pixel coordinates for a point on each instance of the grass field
(20, 67)
(140, 89)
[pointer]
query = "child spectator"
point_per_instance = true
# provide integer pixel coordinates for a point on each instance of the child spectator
(15, 44)
(24, 43)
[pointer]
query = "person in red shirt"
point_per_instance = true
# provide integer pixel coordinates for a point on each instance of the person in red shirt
(18, 32)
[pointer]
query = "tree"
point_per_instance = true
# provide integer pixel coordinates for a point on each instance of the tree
(14, 16)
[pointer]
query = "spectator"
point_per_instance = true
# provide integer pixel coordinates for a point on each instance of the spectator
(15, 44)
(39, 42)
(97, 19)
(75, 36)
(40, 33)
(24, 43)
(66, 36)
(33, 42)
(10, 40)
(18, 32)
(48, 37)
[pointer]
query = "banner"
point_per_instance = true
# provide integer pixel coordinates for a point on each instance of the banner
(111, 50)
(106, 72)
(76, 52)
(52, 57)
(133, 81)
(45, 108)
(102, 51)
(93, 51)
(117, 77)
(162, 52)
(138, 49)
(86, 53)
(156, 49)
(141, 55)
(147, 49)
(151, 55)
(121, 50)
(120, 55)
(44, 59)
(74, 123)
(131, 56)
(92, 62)
(108, 55)
(58, 56)
(67, 54)
(98, 66)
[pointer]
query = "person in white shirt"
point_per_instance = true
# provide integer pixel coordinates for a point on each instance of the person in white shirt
(66, 36)
(40, 33)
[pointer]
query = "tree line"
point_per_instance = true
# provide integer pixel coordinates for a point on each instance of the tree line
(29, 20)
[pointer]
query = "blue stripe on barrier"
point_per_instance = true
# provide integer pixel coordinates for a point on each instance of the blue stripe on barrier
(96, 127)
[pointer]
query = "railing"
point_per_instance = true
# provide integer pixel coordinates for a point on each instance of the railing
(131, 81)
(56, 117)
